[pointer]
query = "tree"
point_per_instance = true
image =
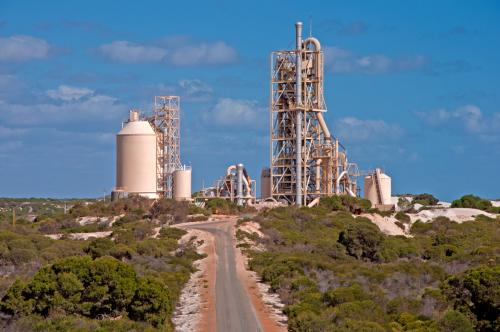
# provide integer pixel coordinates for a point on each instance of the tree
(476, 293)
(471, 201)
(362, 240)
(425, 199)
(454, 321)
(151, 302)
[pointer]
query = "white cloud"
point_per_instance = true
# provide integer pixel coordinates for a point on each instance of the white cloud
(353, 129)
(469, 117)
(192, 90)
(237, 112)
(124, 51)
(344, 61)
(80, 105)
(67, 93)
(204, 53)
(181, 53)
(22, 48)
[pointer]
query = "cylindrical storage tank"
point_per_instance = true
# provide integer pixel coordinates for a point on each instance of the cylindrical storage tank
(370, 191)
(182, 184)
(136, 158)
(265, 183)
(385, 183)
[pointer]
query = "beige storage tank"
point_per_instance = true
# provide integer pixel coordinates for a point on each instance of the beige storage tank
(370, 191)
(136, 158)
(265, 183)
(182, 184)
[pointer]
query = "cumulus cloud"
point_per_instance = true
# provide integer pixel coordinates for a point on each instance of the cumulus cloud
(67, 93)
(204, 53)
(468, 117)
(23, 48)
(353, 129)
(78, 104)
(344, 61)
(192, 90)
(237, 112)
(181, 53)
(127, 52)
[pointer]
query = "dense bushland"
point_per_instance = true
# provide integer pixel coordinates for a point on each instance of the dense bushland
(338, 272)
(130, 280)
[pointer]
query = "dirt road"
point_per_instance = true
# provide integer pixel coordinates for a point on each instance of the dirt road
(237, 307)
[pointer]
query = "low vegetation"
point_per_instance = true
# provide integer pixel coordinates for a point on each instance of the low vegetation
(475, 202)
(130, 280)
(338, 272)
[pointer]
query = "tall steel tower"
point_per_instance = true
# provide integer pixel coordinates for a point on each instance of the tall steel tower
(167, 123)
(307, 162)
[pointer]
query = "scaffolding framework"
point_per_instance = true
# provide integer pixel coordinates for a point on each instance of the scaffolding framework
(315, 158)
(166, 121)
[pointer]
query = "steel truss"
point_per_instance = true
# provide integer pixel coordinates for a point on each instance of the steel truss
(167, 123)
(325, 168)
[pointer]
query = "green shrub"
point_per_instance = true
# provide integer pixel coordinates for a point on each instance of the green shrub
(221, 206)
(471, 201)
(476, 292)
(151, 302)
(334, 297)
(362, 240)
(345, 203)
(454, 321)
(425, 199)
(403, 217)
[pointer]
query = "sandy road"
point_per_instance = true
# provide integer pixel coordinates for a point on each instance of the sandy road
(237, 307)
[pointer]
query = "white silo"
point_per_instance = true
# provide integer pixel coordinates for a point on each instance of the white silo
(136, 158)
(370, 189)
(182, 184)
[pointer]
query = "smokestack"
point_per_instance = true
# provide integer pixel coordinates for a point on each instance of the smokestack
(239, 184)
(298, 124)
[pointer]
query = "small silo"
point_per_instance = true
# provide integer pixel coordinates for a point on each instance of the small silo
(372, 194)
(182, 184)
(136, 158)
(265, 183)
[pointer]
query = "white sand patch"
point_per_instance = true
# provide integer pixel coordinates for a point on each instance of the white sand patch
(187, 314)
(387, 225)
(91, 220)
(495, 203)
(80, 236)
(251, 227)
(455, 214)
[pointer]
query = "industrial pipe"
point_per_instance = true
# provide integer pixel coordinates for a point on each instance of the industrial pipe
(344, 173)
(323, 125)
(298, 102)
(239, 184)
(318, 175)
(314, 41)
(314, 202)
(229, 169)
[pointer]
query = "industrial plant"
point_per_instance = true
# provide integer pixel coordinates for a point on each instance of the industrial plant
(307, 161)
(148, 158)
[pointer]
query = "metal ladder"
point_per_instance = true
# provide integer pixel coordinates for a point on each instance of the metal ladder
(378, 186)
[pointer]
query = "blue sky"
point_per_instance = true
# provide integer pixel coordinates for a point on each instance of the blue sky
(413, 87)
